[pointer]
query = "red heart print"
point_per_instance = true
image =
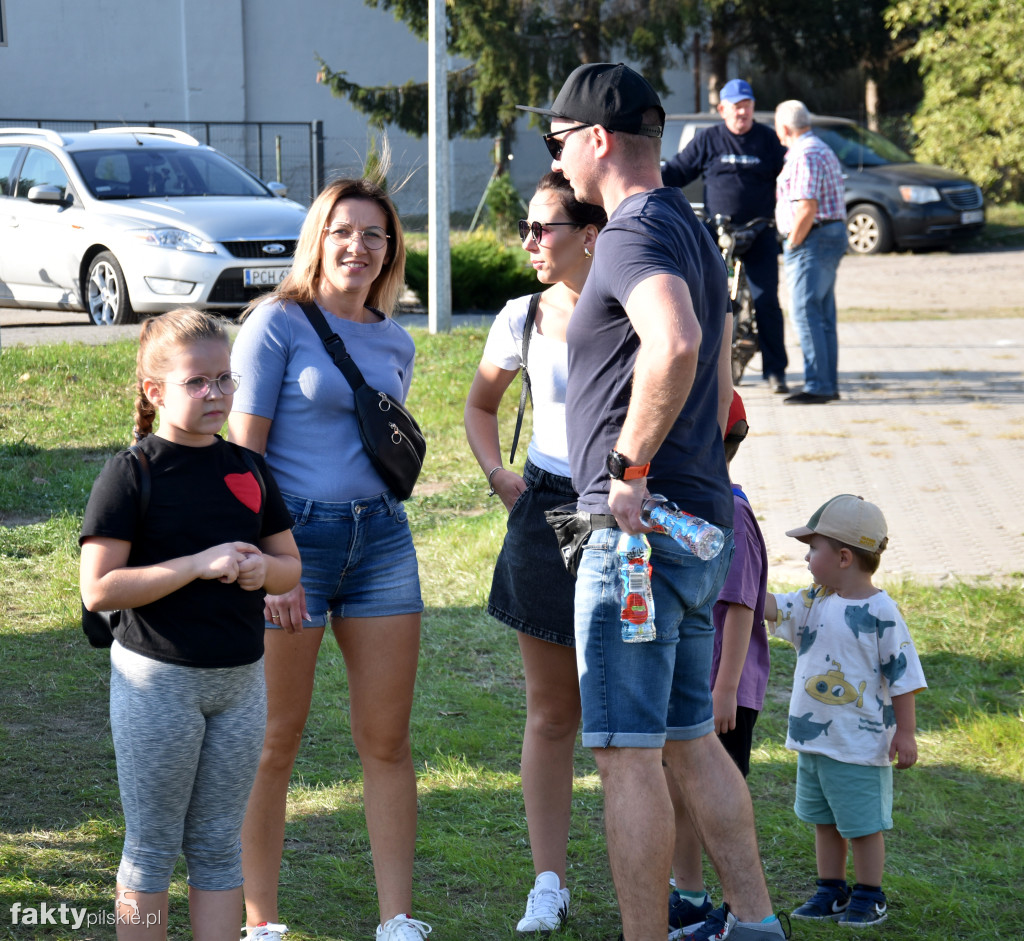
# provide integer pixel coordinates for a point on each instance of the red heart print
(244, 487)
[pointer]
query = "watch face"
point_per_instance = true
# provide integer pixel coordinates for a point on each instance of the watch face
(616, 465)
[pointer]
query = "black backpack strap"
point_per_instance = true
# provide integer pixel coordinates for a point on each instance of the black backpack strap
(531, 316)
(334, 344)
(142, 474)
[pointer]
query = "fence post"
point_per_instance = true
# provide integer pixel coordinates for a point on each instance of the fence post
(259, 150)
(316, 147)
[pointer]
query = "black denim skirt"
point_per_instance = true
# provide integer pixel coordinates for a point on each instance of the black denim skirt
(531, 590)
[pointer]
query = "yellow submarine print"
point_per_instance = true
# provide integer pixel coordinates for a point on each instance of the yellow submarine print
(833, 689)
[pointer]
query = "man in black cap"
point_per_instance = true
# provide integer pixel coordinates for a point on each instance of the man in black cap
(647, 344)
(740, 160)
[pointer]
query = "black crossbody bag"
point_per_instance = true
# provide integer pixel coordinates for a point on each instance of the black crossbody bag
(392, 439)
(98, 626)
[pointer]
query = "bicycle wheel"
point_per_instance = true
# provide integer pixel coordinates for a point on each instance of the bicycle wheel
(744, 329)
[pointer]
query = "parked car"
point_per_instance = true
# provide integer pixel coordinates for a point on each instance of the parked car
(891, 201)
(126, 221)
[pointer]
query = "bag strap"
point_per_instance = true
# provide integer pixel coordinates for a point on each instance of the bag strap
(334, 344)
(142, 473)
(531, 316)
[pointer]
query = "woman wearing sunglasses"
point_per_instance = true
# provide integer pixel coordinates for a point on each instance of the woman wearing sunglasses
(359, 572)
(531, 590)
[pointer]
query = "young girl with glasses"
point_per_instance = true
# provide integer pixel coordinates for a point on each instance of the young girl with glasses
(188, 572)
(531, 590)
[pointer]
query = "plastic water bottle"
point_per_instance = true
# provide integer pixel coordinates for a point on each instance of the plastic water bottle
(695, 535)
(637, 598)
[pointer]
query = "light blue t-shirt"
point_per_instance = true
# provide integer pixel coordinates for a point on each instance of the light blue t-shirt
(287, 375)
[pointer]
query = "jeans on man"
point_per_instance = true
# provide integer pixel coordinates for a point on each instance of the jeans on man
(639, 695)
(811, 277)
(761, 262)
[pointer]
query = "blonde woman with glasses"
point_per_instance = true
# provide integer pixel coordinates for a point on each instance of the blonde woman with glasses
(360, 576)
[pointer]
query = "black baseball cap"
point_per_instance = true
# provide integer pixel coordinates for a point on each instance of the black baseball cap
(606, 93)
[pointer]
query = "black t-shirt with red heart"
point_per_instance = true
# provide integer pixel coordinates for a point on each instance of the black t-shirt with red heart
(199, 497)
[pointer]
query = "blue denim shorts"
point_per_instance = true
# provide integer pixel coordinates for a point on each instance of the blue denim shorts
(531, 589)
(358, 560)
(856, 798)
(639, 695)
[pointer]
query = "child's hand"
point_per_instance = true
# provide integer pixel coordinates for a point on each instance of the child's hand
(903, 749)
(724, 707)
(252, 571)
(221, 562)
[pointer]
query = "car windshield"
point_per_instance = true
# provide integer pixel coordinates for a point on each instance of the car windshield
(145, 172)
(856, 146)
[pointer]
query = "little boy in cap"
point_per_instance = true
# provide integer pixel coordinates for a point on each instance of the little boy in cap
(851, 713)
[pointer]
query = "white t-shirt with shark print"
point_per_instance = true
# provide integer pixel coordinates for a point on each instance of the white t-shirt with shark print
(853, 656)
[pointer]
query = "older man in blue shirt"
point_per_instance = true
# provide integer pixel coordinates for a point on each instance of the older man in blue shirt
(740, 160)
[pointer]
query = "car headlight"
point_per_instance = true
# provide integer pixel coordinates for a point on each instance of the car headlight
(177, 239)
(919, 194)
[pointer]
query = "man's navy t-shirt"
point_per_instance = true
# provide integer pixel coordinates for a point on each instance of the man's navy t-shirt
(739, 170)
(649, 234)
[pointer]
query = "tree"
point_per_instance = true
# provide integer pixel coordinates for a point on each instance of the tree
(820, 38)
(518, 52)
(970, 60)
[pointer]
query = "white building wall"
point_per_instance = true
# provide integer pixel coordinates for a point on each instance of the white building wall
(241, 60)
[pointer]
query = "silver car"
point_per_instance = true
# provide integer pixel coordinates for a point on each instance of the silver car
(126, 221)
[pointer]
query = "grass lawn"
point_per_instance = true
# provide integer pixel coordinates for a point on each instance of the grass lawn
(955, 862)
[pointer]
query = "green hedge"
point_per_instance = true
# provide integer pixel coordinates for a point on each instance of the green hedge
(485, 273)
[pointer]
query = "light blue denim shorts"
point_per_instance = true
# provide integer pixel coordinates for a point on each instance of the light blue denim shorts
(639, 695)
(856, 798)
(358, 560)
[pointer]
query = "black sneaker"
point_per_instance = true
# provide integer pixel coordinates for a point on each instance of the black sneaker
(682, 913)
(829, 903)
(867, 907)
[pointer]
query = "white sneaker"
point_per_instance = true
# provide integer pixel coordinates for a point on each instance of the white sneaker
(547, 906)
(264, 931)
(403, 928)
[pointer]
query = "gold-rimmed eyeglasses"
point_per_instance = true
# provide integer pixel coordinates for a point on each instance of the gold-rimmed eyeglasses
(198, 387)
(374, 238)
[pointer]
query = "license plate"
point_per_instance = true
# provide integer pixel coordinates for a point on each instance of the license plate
(974, 215)
(261, 277)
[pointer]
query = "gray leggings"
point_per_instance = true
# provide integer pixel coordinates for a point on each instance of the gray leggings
(188, 742)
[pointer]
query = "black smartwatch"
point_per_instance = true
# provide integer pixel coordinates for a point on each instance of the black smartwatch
(619, 467)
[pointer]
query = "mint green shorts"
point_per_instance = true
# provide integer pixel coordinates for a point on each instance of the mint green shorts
(856, 798)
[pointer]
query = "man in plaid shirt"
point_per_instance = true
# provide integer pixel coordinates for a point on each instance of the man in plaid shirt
(809, 211)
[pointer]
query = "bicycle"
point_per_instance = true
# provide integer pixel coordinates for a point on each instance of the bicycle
(733, 242)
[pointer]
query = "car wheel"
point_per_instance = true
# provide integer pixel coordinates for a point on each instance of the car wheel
(868, 230)
(107, 293)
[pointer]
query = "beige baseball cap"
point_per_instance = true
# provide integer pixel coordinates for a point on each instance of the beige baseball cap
(848, 518)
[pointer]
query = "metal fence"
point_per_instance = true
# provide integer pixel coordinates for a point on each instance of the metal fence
(291, 152)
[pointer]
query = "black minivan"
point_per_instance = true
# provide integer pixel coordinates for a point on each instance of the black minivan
(891, 201)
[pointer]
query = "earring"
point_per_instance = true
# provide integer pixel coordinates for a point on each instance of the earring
(588, 252)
